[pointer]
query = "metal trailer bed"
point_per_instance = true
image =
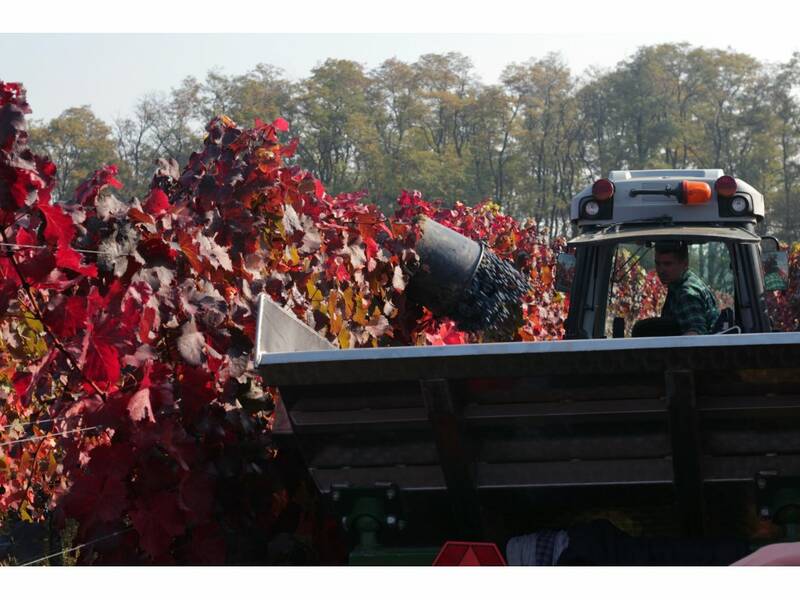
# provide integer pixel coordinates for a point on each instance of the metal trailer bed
(705, 420)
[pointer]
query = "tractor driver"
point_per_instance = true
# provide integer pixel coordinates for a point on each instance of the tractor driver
(690, 307)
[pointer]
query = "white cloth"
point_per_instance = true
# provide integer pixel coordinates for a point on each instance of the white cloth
(542, 548)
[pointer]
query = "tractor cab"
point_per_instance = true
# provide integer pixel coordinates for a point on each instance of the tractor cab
(609, 267)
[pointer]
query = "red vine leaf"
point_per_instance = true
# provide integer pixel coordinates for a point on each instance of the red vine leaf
(158, 520)
(186, 244)
(281, 124)
(59, 228)
(68, 258)
(157, 203)
(68, 317)
(139, 406)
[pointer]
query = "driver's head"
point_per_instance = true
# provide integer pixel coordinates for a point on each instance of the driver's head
(672, 260)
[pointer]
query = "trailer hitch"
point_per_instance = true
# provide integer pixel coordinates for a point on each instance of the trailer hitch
(374, 515)
(778, 499)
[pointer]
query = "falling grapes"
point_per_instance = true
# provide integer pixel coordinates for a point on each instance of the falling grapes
(492, 302)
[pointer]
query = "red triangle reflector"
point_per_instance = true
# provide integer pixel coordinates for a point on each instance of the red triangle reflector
(469, 554)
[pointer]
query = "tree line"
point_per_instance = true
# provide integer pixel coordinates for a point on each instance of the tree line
(528, 142)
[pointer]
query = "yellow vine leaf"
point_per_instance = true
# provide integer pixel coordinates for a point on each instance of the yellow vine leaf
(344, 338)
(348, 302)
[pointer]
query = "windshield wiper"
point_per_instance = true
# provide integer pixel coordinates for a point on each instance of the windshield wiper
(637, 256)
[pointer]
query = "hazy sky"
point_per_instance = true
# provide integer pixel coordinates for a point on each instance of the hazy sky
(110, 71)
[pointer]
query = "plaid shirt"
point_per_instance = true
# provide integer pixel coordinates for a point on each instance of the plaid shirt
(691, 303)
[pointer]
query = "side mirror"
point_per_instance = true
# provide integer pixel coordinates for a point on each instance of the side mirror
(769, 244)
(565, 271)
(776, 270)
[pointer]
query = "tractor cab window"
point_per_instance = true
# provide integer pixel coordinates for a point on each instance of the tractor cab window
(635, 291)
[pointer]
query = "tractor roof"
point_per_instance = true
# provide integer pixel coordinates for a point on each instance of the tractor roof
(667, 231)
(655, 195)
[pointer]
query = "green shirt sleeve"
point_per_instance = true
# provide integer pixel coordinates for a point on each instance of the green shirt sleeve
(690, 312)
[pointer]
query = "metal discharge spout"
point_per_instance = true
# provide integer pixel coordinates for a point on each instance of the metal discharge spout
(464, 280)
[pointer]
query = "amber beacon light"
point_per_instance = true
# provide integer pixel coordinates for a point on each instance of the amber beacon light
(694, 192)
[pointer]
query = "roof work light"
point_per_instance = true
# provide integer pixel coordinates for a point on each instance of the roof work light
(603, 189)
(726, 187)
